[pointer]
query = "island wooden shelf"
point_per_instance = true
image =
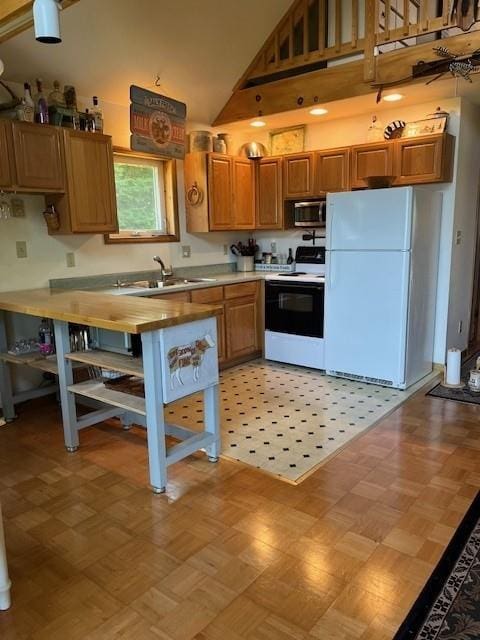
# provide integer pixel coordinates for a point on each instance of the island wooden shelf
(108, 360)
(96, 390)
(35, 361)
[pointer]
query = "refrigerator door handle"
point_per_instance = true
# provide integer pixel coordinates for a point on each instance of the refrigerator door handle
(330, 272)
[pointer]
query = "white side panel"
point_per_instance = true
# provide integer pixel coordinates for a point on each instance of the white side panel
(365, 313)
(376, 219)
(423, 284)
(301, 350)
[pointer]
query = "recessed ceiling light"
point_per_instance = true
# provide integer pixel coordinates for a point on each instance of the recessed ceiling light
(318, 111)
(393, 97)
(257, 123)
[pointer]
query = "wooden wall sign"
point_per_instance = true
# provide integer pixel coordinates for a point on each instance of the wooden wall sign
(157, 123)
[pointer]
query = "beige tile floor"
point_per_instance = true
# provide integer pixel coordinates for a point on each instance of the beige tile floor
(286, 420)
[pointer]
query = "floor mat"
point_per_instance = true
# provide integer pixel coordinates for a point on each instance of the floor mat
(460, 395)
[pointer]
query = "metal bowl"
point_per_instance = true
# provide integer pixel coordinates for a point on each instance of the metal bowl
(253, 150)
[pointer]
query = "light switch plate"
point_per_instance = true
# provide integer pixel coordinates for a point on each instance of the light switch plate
(17, 207)
(70, 259)
(21, 246)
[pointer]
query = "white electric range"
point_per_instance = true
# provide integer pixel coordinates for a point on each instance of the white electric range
(294, 311)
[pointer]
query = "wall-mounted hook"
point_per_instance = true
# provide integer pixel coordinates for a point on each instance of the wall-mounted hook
(157, 81)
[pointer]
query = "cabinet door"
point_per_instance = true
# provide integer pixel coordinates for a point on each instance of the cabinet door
(241, 326)
(220, 192)
(371, 160)
(6, 154)
(269, 214)
(243, 193)
(332, 170)
(423, 160)
(38, 157)
(298, 175)
(176, 296)
(91, 183)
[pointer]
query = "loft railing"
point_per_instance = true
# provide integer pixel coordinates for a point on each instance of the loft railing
(316, 32)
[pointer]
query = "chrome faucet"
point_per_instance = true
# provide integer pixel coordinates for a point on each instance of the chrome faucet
(164, 273)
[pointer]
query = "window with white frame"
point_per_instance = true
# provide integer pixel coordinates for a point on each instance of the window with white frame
(146, 199)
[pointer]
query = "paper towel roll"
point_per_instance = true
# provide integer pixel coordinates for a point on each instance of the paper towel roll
(453, 366)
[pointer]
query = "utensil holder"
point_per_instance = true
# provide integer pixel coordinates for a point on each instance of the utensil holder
(245, 263)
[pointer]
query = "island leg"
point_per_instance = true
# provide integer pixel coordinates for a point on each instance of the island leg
(4, 579)
(152, 370)
(65, 378)
(211, 414)
(6, 393)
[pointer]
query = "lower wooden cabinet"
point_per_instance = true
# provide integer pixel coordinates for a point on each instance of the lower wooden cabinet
(239, 324)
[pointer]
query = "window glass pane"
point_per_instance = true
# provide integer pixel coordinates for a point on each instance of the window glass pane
(137, 199)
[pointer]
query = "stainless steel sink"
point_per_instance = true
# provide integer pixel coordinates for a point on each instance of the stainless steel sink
(160, 284)
(193, 280)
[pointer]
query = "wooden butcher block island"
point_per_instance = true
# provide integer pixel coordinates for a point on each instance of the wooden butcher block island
(179, 357)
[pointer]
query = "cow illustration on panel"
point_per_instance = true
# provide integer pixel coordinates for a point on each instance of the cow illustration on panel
(188, 355)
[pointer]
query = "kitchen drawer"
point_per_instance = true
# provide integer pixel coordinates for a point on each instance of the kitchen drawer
(177, 296)
(240, 290)
(210, 294)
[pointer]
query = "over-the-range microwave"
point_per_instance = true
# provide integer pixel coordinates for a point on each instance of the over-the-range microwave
(310, 213)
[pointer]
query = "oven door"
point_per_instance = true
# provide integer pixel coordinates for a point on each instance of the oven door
(295, 308)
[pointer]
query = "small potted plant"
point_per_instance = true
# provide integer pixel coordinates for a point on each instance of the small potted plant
(245, 254)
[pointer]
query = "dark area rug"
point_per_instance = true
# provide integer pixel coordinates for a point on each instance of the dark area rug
(460, 395)
(448, 607)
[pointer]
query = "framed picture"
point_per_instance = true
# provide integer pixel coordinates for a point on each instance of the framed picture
(424, 127)
(289, 140)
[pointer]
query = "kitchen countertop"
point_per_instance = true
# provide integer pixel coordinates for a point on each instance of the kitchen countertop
(99, 309)
(216, 281)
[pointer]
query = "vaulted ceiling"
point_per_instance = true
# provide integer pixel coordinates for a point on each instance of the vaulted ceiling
(199, 49)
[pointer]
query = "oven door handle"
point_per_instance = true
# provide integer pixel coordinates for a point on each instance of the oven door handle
(313, 287)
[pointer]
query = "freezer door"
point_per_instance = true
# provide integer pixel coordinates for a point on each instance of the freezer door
(376, 219)
(366, 313)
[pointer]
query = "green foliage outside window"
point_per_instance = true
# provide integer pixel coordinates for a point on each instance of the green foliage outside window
(135, 186)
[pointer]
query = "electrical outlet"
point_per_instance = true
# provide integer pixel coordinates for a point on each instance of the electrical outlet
(225, 249)
(17, 207)
(70, 258)
(460, 326)
(458, 236)
(21, 248)
(186, 251)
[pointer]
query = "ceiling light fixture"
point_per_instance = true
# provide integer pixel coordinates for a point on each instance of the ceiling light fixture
(257, 123)
(393, 97)
(318, 111)
(46, 21)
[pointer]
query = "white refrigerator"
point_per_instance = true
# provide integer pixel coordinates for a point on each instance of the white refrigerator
(381, 282)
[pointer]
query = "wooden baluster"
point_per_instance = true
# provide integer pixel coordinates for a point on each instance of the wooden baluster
(386, 23)
(371, 18)
(406, 17)
(354, 24)
(321, 27)
(277, 49)
(305, 30)
(290, 37)
(423, 26)
(446, 13)
(338, 25)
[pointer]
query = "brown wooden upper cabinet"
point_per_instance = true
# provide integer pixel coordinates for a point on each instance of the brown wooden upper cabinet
(298, 175)
(243, 193)
(6, 153)
(332, 170)
(269, 209)
(219, 192)
(425, 159)
(38, 157)
(89, 205)
(374, 159)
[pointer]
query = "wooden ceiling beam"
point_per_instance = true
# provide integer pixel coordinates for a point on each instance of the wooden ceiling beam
(334, 83)
(16, 16)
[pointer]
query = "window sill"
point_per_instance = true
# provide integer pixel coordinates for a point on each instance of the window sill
(114, 239)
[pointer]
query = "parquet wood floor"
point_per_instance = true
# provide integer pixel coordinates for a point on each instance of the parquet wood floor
(229, 553)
